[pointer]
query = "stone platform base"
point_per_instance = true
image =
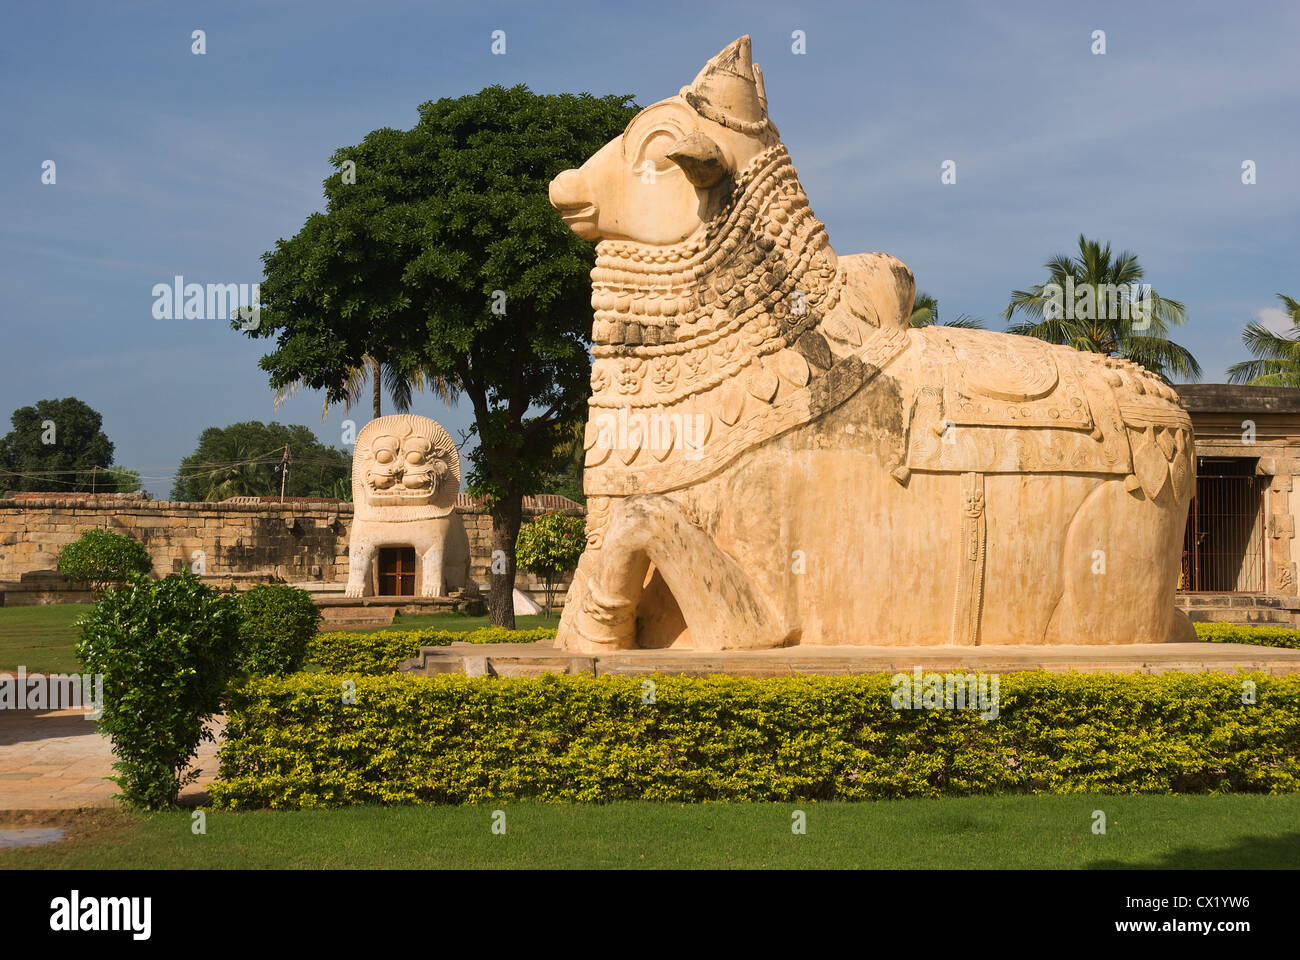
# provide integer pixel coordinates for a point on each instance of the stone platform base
(529, 660)
(1250, 609)
(337, 610)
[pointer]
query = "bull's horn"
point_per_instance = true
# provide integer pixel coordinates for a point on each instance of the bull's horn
(727, 86)
(700, 159)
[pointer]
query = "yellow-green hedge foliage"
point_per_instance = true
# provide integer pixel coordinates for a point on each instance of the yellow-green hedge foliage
(341, 651)
(294, 742)
(1238, 633)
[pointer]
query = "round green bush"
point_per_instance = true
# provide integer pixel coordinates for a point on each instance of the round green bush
(550, 546)
(276, 624)
(102, 558)
(166, 650)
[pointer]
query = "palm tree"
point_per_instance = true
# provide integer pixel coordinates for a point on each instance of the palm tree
(399, 382)
(245, 476)
(1096, 302)
(925, 311)
(1277, 356)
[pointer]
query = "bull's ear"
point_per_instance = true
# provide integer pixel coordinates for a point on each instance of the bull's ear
(700, 159)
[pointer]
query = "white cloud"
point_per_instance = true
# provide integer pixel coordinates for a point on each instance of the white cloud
(1275, 319)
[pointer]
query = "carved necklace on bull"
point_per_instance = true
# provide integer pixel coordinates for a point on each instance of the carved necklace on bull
(756, 278)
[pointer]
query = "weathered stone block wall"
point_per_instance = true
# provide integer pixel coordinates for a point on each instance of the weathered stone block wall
(297, 541)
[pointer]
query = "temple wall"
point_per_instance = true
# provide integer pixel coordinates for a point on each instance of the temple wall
(1257, 425)
(297, 541)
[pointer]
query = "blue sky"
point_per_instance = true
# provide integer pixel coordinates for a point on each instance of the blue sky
(171, 163)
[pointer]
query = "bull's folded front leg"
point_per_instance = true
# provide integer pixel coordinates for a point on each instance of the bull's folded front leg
(718, 602)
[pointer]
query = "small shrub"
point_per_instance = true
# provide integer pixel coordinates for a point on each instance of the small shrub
(1240, 633)
(102, 559)
(277, 623)
(166, 650)
(380, 652)
(549, 547)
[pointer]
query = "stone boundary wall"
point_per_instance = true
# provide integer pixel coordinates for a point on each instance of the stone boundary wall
(301, 540)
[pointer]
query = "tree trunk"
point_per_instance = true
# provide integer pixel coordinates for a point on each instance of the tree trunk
(501, 580)
(378, 388)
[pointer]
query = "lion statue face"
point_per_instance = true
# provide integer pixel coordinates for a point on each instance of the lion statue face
(405, 461)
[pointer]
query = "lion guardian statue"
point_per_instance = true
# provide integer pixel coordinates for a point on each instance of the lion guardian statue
(405, 478)
(774, 457)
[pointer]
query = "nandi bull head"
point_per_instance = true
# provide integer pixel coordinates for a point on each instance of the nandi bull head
(696, 207)
(674, 166)
(774, 457)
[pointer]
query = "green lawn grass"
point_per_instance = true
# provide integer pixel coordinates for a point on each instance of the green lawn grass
(41, 638)
(976, 832)
(456, 621)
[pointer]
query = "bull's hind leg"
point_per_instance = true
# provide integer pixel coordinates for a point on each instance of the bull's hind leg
(1120, 570)
(717, 601)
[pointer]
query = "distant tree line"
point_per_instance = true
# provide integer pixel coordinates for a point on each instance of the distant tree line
(59, 446)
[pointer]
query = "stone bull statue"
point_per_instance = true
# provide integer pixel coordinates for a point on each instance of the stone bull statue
(774, 457)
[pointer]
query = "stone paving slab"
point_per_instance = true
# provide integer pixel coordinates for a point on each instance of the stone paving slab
(529, 659)
(58, 760)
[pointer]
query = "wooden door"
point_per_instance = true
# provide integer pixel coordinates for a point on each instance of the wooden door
(397, 571)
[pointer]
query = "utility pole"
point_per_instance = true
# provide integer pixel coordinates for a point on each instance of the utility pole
(284, 472)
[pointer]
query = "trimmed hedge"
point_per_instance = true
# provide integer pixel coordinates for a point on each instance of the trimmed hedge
(1239, 633)
(380, 652)
(293, 742)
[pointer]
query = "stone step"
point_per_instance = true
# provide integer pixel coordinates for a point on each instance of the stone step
(531, 662)
(528, 660)
(356, 616)
(1243, 616)
(453, 603)
(1229, 600)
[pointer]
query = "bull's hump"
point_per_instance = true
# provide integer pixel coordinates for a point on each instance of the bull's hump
(884, 283)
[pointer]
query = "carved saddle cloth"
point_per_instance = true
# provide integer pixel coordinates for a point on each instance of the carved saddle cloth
(992, 403)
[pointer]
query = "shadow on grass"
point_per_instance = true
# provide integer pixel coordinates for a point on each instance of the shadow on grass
(1248, 853)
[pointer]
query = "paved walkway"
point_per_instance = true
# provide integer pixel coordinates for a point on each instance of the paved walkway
(57, 760)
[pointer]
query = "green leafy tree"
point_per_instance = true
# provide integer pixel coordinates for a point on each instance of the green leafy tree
(571, 456)
(1277, 355)
(103, 558)
(166, 650)
(549, 547)
(244, 460)
(60, 445)
(925, 313)
(439, 250)
(339, 489)
(1106, 315)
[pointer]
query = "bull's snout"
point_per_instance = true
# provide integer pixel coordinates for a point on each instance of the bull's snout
(571, 197)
